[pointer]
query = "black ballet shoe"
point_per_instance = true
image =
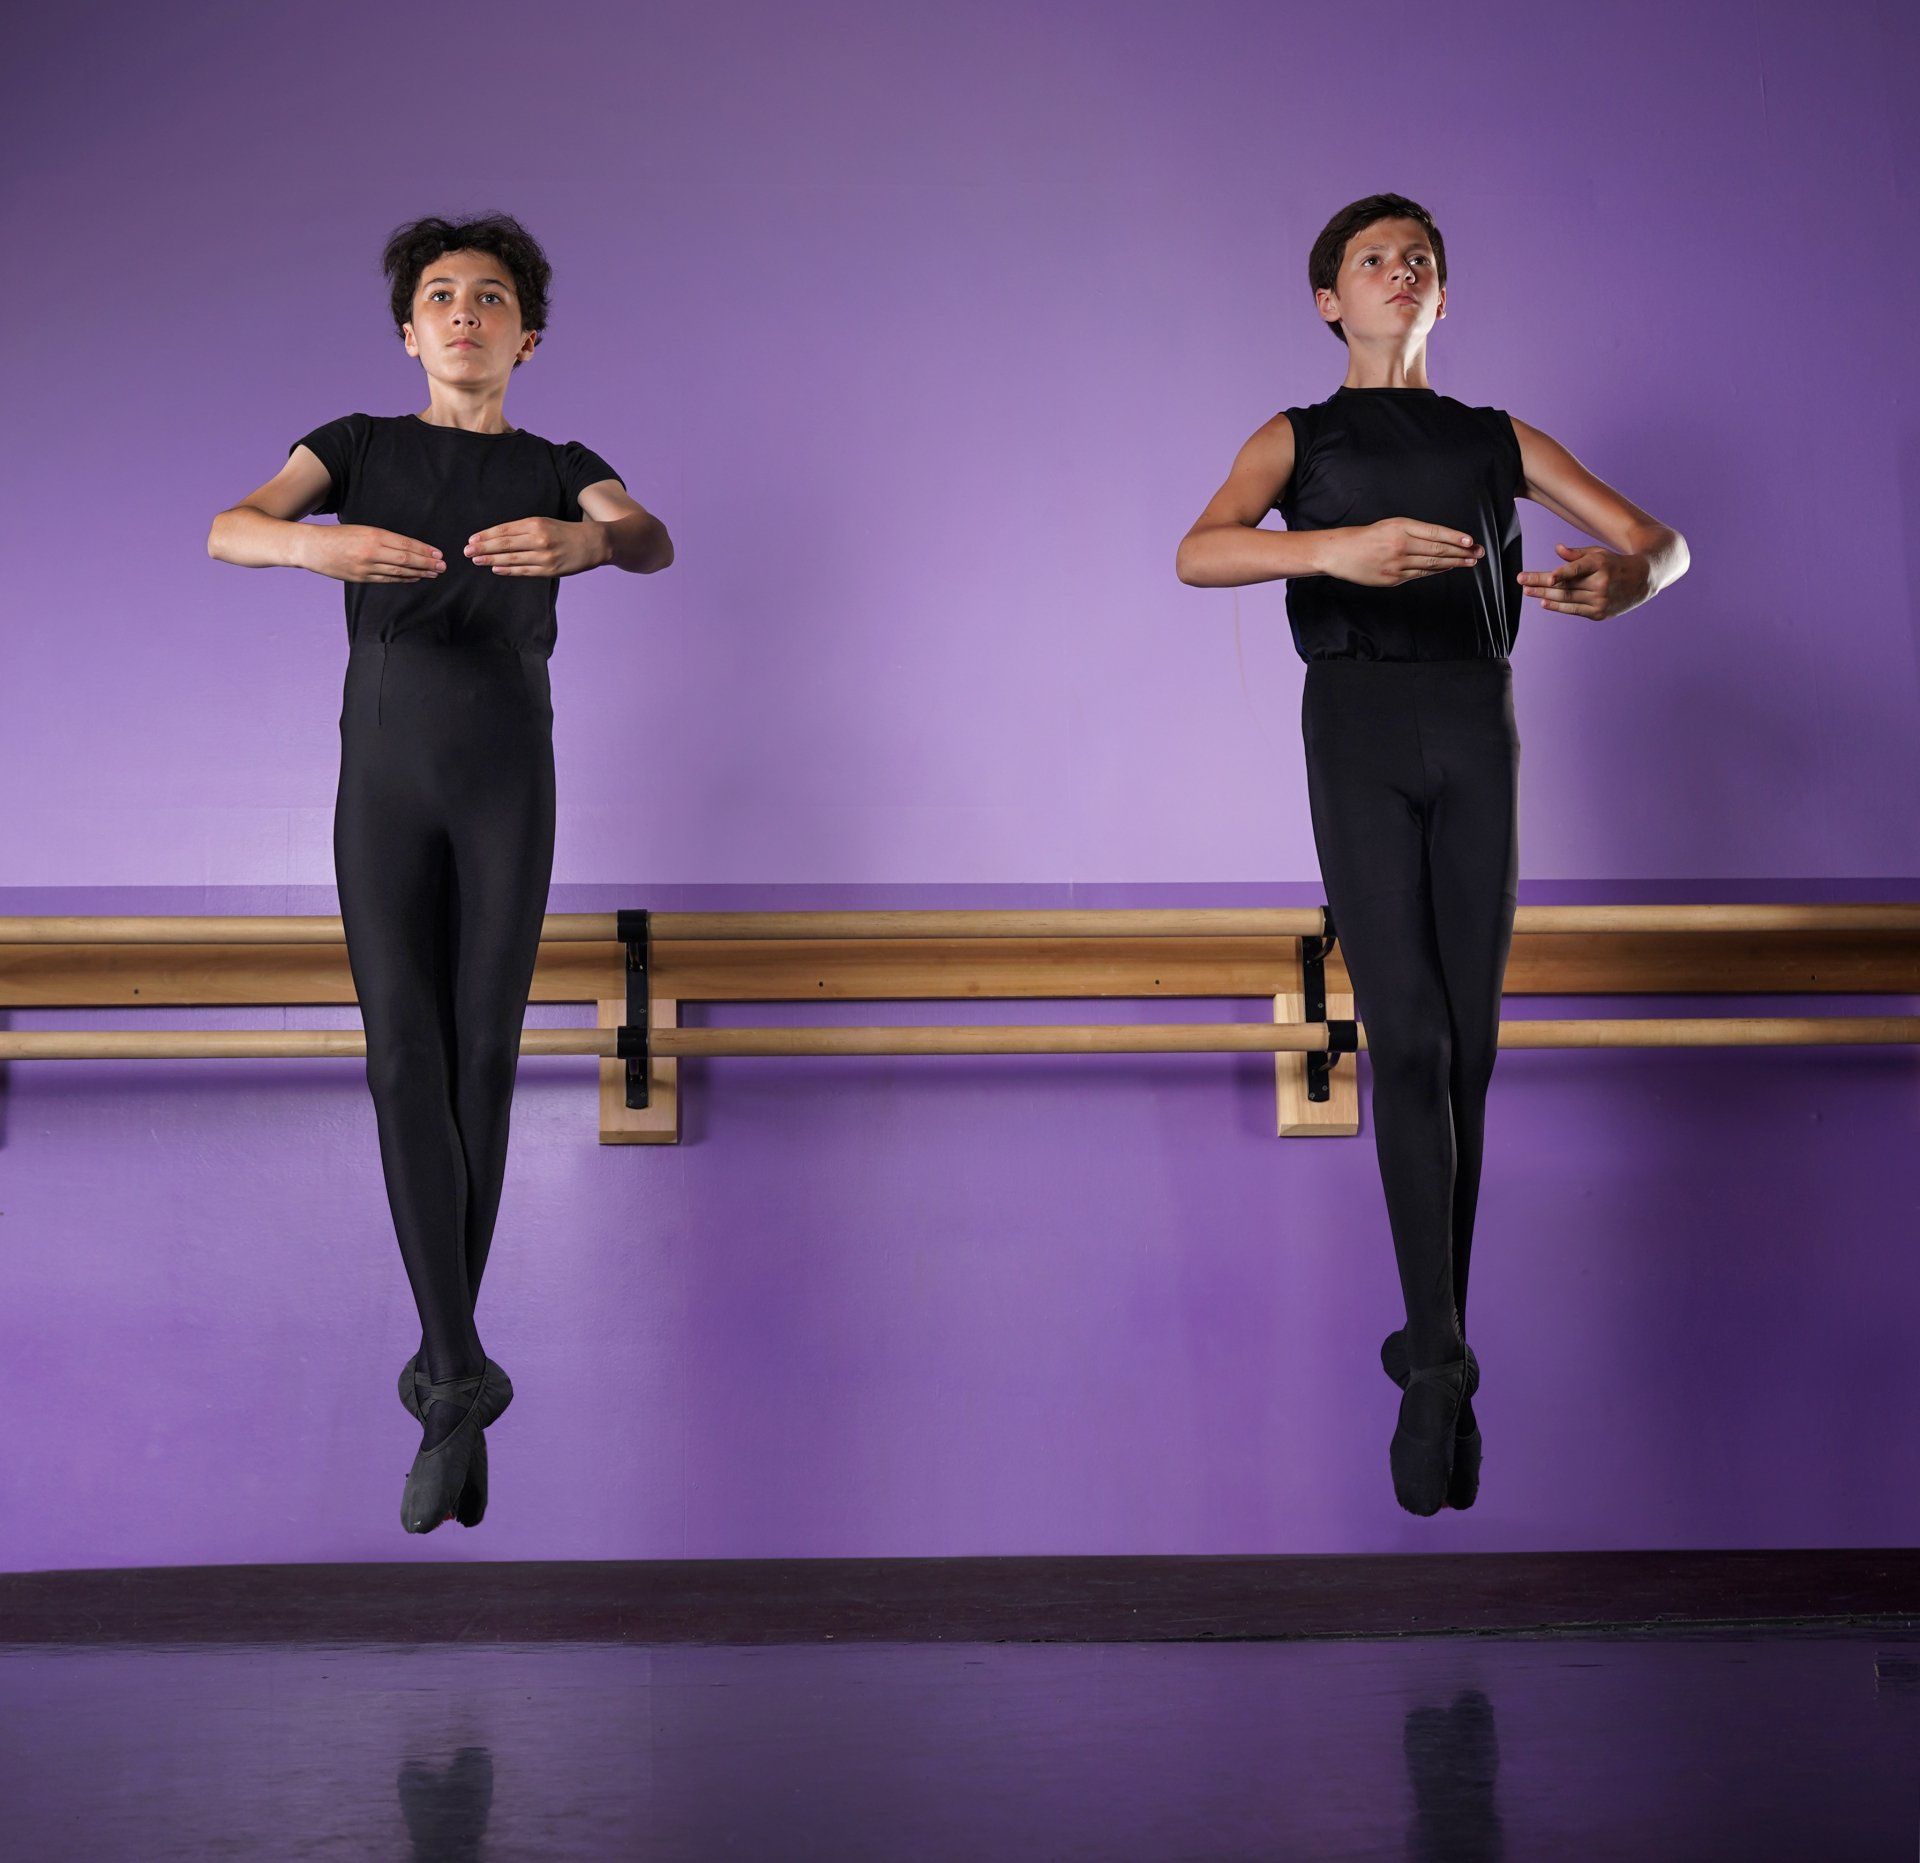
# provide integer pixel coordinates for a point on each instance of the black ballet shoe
(439, 1475)
(1423, 1462)
(1463, 1486)
(471, 1508)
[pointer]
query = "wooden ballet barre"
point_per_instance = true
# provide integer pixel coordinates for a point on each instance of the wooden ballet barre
(1022, 1038)
(639, 968)
(1210, 922)
(1281, 1037)
(1259, 922)
(602, 927)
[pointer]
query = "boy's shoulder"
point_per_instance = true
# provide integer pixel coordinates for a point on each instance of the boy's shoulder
(1484, 411)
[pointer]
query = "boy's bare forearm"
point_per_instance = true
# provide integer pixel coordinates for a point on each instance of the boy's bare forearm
(255, 539)
(1232, 555)
(1666, 553)
(637, 541)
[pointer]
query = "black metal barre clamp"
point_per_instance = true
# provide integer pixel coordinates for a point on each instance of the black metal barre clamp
(1342, 1037)
(633, 1040)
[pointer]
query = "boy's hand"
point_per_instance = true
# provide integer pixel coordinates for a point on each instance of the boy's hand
(1593, 582)
(365, 553)
(1396, 550)
(540, 546)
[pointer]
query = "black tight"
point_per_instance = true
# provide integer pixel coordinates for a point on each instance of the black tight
(443, 850)
(1413, 780)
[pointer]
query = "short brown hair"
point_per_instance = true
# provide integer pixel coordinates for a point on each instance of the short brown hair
(1323, 262)
(410, 249)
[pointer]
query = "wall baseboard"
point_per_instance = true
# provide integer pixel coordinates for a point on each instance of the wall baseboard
(1144, 1598)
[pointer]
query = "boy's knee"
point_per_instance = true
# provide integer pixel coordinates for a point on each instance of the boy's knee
(399, 1064)
(488, 1065)
(1473, 1057)
(1417, 1056)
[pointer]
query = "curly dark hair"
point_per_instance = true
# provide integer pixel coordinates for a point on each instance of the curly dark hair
(410, 249)
(1323, 262)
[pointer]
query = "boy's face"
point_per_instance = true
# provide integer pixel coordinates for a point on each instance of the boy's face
(465, 327)
(1389, 285)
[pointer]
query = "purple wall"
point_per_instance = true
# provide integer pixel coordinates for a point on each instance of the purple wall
(928, 334)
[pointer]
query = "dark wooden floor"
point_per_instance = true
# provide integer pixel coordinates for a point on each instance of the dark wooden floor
(1123, 1599)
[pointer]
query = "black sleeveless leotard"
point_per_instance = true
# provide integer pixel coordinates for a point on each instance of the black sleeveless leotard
(1369, 453)
(1412, 761)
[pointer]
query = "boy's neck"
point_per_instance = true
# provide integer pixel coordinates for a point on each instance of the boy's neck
(1396, 370)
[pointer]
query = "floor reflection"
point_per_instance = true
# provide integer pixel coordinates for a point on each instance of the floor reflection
(1792, 1746)
(1453, 1759)
(446, 1807)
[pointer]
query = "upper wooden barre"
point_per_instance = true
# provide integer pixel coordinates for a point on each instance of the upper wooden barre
(1211, 922)
(1025, 1038)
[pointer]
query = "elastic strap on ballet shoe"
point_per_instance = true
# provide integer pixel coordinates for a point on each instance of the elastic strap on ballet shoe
(449, 1390)
(1393, 1351)
(463, 1393)
(496, 1392)
(1455, 1370)
(1455, 1374)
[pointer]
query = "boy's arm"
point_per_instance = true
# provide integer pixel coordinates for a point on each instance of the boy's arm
(635, 539)
(1226, 547)
(1645, 556)
(264, 529)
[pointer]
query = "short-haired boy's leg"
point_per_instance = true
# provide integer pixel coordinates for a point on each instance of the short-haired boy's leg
(1364, 777)
(1474, 854)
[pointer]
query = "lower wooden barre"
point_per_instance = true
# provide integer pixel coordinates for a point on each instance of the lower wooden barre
(1028, 1038)
(1891, 916)
(1280, 1037)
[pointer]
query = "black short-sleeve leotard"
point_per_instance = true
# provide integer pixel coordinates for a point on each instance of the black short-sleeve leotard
(439, 485)
(1365, 454)
(443, 827)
